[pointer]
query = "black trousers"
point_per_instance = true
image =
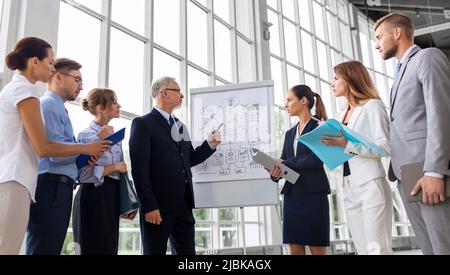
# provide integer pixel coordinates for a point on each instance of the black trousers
(50, 215)
(178, 226)
(96, 218)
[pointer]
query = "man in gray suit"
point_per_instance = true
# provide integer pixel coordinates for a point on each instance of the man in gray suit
(420, 113)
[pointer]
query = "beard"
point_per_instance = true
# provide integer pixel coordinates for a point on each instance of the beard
(390, 53)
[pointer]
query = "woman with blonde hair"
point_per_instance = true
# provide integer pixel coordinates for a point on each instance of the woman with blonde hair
(367, 195)
(96, 207)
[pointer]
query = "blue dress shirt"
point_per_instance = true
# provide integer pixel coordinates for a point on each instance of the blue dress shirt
(112, 156)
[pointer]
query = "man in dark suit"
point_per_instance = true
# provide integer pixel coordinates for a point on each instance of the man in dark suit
(161, 158)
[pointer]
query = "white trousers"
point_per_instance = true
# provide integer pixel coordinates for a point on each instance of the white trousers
(369, 210)
(14, 214)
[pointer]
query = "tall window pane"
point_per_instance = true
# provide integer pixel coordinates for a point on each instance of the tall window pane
(166, 24)
(87, 54)
(246, 62)
(381, 86)
(196, 78)
(293, 76)
(277, 78)
(325, 91)
(318, 20)
(323, 61)
(272, 3)
(304, 14)
(290, 34)
(310, 81)
(130, 14)
(165, 65)
(223, 51)
(333, 35)
(346, 40)
(274, 33)
(197, 35)
(308, 55)
(126, 70)
(377, 59)
(244, 17)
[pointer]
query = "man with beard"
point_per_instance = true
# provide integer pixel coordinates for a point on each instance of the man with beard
(420, 100)
(50, 215)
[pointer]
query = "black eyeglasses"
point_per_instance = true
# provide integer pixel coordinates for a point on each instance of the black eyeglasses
(77, 79)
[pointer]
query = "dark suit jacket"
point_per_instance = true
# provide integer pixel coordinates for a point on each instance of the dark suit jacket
(161, 167)
(313, 178)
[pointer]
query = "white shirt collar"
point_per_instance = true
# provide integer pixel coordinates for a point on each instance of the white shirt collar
(165, 114)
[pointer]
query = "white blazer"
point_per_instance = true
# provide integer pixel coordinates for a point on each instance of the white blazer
(371, 121)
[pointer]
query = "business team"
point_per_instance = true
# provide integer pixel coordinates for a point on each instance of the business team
(162, 156)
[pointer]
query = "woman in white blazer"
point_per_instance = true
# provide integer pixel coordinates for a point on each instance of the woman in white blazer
(367, 195)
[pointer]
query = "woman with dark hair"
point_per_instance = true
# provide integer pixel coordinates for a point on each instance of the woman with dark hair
(306, 220)
(367, 195)
(24, 139)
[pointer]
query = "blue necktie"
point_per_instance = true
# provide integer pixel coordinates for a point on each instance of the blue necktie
(397, 69)
(171, 121)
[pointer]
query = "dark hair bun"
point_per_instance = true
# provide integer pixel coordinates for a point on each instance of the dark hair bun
(85, 105)
(14, 61)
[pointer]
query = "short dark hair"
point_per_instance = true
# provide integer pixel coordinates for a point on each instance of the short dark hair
(398, 19)
(65, 65)
(26, 48)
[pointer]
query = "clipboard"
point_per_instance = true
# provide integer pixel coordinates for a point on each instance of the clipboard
(115, 138)
(268, 162)
(411, 174)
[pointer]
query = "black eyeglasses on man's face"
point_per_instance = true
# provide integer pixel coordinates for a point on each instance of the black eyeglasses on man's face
(175, 90)
(77, 79)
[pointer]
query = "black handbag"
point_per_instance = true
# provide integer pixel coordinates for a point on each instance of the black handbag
(128, 199)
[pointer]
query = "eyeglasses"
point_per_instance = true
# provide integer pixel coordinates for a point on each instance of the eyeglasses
(77, 79)
(175, 90)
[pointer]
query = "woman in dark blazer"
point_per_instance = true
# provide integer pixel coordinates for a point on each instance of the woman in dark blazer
(306, 219)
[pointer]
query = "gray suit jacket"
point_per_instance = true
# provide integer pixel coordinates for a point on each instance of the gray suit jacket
(420, 112)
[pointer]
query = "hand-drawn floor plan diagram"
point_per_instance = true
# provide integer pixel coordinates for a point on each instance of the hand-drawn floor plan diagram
(244, 121)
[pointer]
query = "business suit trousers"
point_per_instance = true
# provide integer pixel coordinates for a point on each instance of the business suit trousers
(96, 218)
(369, 210)
(49, 217)
(431, 224)
(178, 226)
(14, 213)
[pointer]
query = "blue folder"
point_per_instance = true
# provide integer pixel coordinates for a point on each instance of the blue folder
(334, 156)
(115, 138)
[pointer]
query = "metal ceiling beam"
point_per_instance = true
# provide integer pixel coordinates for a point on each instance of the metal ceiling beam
(432, 29)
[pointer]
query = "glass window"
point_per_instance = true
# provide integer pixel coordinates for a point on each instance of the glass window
(228, 236)
(290, 34)
(331, 4)
(126, 70)
(323, 60)
(274, 33)
(346, 39)
(223, 58)
(203, 2)
(305, 20)
(252, 235)
(129, 15)
(95, 5)
(289, 9)
(336, 58)
(390, 67)
(333, 34)
(197, 35)
(165, 65)
(196, 78)
(364, 49)
(272, 3)
(203, 237)
(246, 62)
(381, 86)
(293, 76)
(342, 11)
(310, 81)
(277, 78)
(377, 59)
(308, 55)
(318, 20)
(87, 53)
(327, 99)
(166, 24)
(222, 9)
(244, 17)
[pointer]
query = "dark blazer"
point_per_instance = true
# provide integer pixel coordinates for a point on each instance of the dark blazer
(161, 167)
(313, 178)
